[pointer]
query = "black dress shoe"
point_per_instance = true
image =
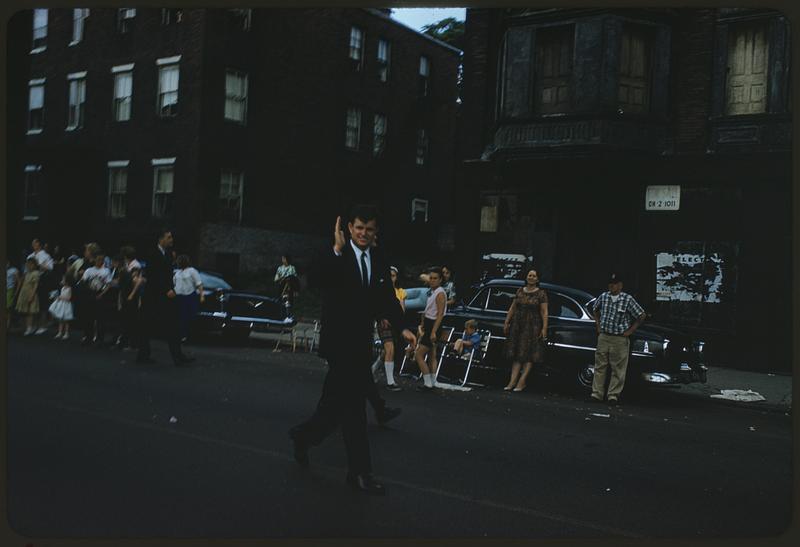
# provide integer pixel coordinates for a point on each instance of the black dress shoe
(388, 414)
(300, 449)
(366, 484)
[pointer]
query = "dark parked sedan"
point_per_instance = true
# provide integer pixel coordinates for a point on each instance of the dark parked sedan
(236, 313)
(659, 355)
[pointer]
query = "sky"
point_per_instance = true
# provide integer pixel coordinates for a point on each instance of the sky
(417, 17)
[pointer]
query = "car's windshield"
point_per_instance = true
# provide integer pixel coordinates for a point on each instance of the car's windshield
(212, 282)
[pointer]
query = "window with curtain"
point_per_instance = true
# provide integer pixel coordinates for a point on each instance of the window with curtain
(357, 47)
(231, 187)
(353, 129)
(634, 70)
(39, 29)
(117, 191)
(36, 106)
(240, 18)
(746, 85)
(170, 16)
(168, 90)
(125, 19)
(77, 101)
(422, 147)
(79, 16)
(379, 135)
(419, 210)
(163, 183)
(123, 95)
(235, 96)
(424, 76)
(384, 52)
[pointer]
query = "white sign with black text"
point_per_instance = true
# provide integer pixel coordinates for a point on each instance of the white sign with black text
(663, 198)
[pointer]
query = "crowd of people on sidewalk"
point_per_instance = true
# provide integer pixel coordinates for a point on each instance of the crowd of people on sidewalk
(119, 295)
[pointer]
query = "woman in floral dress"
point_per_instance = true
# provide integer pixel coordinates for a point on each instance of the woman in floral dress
(526, 330)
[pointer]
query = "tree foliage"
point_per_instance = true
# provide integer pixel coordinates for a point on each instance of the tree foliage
(449, 30)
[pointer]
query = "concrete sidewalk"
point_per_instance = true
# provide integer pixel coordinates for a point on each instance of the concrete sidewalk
(775, 388)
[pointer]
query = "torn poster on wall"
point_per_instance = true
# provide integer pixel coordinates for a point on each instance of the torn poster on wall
(688, 277)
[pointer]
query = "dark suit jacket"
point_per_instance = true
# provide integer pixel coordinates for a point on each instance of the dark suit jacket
(159, 275)
(348, 309)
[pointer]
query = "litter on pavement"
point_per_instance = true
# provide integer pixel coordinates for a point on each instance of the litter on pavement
(745, 396)
(453, 387)
(173, 420)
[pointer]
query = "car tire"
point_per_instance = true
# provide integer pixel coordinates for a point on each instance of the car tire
(583, 377)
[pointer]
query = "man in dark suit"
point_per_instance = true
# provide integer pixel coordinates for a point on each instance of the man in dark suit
(356, 291)
(159, 312)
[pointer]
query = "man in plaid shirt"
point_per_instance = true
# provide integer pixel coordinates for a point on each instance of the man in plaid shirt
(617, 316)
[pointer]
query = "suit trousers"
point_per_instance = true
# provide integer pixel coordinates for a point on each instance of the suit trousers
(159, 320)
(342, 403)
(612, 351)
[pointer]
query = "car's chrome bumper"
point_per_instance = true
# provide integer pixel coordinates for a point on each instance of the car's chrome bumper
(687, 375)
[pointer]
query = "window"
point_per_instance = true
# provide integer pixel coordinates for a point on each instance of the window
(379, 135)
(79, 16)
(117, 189)
(171, 15)
(36, 106)
(125, 19)
(231, 186)
(384, 52)
(32, 196)
(746, 86)
(168, 75)
(419, 210)
(479, 301)
(39, 30)
(235, 96)
(424, 76)
(561, 306)
(422, 147)
(634, 71)
(163, 183)
(77, 100)
(553, 70)
(357, 47)
(353, 130)
(500, 299)
(123, 92)
(240, 18)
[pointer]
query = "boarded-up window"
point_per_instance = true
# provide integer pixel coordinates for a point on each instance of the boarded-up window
(746, 90)
(517, 73)
(634, 71)
(553, 77)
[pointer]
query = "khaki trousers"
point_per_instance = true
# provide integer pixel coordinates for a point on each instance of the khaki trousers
(611, 351)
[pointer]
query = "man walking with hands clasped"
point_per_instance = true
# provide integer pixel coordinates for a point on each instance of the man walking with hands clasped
(356, 291)
(614, 311)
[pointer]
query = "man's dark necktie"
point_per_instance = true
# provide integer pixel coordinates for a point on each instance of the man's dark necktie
(364, 276)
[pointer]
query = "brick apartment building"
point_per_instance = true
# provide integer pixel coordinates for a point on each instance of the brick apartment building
(246, 131)
(572, 116)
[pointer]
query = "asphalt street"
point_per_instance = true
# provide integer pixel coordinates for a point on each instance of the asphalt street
(100, 446)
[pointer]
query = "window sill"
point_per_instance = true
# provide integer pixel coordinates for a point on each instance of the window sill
(38, 50)
(30, 218)
(34, 131)
(236, 122)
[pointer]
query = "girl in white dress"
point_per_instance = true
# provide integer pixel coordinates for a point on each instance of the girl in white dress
(61, 308)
